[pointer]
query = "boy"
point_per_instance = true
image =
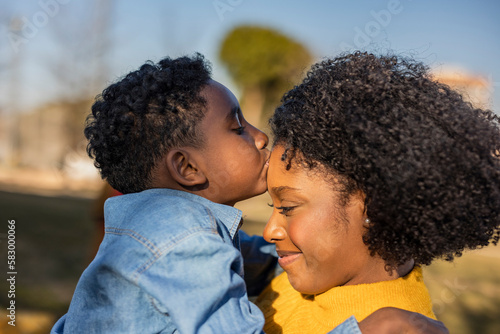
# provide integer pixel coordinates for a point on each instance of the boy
(176, 144)
(168, 260)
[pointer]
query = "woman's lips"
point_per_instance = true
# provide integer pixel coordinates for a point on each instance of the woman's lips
(287, 258)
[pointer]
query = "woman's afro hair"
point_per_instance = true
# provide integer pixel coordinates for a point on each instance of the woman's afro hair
(427, 161)
(137, 119)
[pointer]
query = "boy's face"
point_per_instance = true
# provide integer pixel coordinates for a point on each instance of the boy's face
(319, 241)
(234, 154)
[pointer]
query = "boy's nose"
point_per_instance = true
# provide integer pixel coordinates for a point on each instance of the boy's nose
(261, 139)
(274, 232)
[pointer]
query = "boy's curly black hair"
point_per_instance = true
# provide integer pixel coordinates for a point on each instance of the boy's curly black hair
(137, 119)
(427, 161)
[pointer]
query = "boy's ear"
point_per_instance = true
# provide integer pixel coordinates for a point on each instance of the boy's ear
(184, 169)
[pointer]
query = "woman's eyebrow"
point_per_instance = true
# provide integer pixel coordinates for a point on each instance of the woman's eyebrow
(282, 189)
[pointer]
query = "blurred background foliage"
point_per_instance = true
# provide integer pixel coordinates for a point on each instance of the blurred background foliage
(264, 63)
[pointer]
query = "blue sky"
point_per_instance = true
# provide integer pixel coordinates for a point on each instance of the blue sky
(462, 34)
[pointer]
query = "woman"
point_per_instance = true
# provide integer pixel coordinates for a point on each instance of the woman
(376, 170)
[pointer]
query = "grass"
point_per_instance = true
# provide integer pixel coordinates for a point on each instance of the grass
(55, 239)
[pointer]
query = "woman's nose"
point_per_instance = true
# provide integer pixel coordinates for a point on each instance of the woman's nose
(274, 231)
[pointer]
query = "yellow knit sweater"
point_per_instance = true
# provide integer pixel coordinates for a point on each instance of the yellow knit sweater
(288, 311)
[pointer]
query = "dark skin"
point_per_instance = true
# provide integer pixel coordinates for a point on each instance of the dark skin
(236, 149)
(391, 320)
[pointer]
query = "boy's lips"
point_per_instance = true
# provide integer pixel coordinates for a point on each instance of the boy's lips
(286, 258)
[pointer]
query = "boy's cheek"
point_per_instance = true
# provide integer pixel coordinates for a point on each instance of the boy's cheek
(246, 149)
(219, 182)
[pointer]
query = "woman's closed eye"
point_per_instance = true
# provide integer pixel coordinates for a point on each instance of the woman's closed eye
(285, 210)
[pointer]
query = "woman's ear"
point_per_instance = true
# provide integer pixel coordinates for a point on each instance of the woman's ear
(183, 168)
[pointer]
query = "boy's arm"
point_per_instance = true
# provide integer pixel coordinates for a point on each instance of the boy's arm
(260, 262)
(198, 283)
(390, 320)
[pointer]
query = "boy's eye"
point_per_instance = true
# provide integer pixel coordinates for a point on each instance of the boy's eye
(240, 130)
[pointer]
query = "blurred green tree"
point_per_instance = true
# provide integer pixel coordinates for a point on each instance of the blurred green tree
(264, 63)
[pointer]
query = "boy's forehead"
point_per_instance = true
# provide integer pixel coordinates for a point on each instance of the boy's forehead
(219, 98)
(216, 88)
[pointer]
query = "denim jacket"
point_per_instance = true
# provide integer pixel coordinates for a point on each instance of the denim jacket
(169, 263)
